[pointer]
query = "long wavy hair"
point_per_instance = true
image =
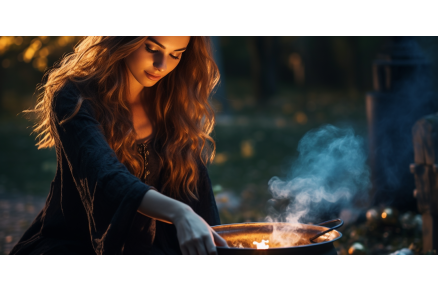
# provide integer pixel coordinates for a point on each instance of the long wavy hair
(180, 112)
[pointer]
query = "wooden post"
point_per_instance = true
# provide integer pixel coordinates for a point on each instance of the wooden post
(425, 170)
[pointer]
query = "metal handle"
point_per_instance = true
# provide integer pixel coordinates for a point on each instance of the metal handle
(328, 230)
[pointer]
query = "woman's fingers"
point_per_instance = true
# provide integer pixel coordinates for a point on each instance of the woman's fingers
(209, 245)
(195, 247)
(219, 241)
(191, 249)
(200, 246)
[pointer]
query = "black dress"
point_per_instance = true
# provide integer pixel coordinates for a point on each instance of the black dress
(93, 200)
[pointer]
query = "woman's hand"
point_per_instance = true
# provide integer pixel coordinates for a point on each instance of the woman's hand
(195, 236)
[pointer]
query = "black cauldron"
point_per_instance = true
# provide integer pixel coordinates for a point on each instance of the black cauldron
(282, 238)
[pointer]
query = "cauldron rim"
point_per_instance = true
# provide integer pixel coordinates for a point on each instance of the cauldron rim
(279, 248)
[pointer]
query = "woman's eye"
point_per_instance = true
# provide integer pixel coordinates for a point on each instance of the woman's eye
(150, 50)
(155, 51)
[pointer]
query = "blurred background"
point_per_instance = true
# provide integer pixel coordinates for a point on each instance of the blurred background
(273, 90)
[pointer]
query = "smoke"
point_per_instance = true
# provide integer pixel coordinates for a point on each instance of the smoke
(330, 172)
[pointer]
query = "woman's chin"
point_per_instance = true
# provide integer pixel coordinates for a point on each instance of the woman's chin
(150, 83)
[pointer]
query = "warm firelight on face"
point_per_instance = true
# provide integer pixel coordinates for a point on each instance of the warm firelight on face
(261, 245)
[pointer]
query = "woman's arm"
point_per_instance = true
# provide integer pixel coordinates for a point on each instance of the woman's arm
(109, 193)
(195, 236)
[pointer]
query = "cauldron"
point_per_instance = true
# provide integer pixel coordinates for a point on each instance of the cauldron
(282, 238)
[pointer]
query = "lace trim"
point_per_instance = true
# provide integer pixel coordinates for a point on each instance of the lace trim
(144, 152)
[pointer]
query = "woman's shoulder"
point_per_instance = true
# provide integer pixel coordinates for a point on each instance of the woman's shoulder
(67, 98)
(68, 90)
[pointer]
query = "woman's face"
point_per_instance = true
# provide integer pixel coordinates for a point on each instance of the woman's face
(156, 58)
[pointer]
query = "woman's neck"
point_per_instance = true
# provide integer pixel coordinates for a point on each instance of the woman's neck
(135, 90)
(140, 119)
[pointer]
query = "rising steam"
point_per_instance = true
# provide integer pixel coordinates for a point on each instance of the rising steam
(330, 171)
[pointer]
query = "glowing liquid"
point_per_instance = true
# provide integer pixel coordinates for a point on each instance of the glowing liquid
(262, 244)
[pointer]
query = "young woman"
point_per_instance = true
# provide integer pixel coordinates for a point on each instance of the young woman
(130, 122)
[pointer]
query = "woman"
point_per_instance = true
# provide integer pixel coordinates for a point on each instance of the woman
(130, 121)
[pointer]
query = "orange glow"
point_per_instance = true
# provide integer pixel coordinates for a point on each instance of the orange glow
(40, 64)
(65, 40)
(44, 52)
(220, 158)
(297, 66)
(246, 149)
(18, 40)
(301, 118)
(384, 215)
(262, 244)
(5, 42)
(35, 45)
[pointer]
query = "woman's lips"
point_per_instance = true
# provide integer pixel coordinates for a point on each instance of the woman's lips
(152, 77)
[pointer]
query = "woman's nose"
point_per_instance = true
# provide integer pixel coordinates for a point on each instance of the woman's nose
(160, 63)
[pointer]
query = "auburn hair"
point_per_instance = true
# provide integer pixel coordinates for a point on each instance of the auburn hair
(180, 111)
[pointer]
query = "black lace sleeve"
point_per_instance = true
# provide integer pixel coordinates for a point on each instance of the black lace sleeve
(109, 192)
(206, 206)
